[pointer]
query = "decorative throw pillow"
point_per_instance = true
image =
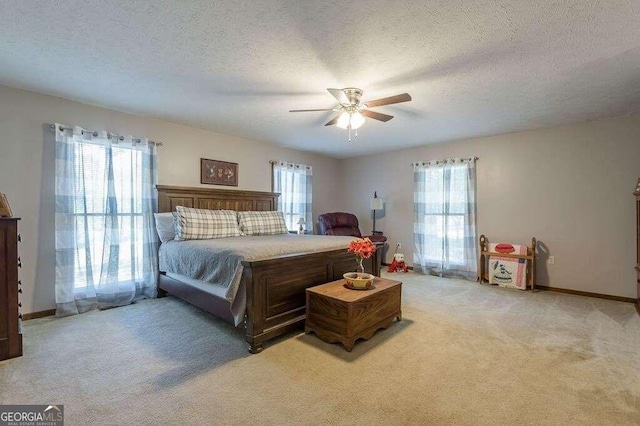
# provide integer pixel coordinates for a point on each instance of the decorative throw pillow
(262, 223)
(201, 224)
(165, 226)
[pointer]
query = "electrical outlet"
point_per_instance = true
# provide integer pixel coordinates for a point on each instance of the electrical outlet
(551, 260)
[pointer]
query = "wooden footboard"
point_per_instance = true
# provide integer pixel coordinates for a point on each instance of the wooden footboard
(276, 290)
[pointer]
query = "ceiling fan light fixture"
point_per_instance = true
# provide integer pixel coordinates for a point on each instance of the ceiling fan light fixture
(352, 112)
(343, 121)
(357, 120)
(350, 119)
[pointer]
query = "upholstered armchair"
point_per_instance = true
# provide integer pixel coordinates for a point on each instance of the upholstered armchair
(340, 223)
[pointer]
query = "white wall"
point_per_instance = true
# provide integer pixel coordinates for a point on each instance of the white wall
(26, 170)
(570, 187)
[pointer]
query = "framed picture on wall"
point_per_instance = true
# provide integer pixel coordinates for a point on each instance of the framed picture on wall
(5, 210)
(214, 172)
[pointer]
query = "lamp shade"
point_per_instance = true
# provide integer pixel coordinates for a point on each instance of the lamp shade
(353, 119)
(377, 204)
(301, 221)
(344, 120)
(357, 120)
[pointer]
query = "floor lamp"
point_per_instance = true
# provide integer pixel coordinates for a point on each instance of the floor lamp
(376, 204)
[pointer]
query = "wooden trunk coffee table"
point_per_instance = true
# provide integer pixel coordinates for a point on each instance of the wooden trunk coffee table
(338, 314)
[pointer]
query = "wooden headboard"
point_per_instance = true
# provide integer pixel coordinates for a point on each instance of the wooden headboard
(214, 199)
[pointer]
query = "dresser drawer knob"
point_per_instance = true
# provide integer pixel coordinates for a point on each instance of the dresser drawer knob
(19, 238)
(20, 290)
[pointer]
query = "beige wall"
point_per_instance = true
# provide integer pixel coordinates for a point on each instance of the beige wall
(26, 170)
(570, 187)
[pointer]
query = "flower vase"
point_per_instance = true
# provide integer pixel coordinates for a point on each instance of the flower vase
(360, 280)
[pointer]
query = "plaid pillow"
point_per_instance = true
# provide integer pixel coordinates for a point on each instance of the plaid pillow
(262, 223)
(201, 224)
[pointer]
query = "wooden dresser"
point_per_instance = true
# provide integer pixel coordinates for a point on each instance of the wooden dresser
(10, 333)
(637, 194)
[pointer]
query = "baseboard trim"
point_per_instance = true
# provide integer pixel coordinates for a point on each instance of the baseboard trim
(579, 293)
(39, 314)
(588, 294)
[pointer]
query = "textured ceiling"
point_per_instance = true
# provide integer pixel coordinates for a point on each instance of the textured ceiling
(474, 68)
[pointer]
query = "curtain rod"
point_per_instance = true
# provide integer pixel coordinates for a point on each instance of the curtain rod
(94, 133)
(272, 162)
(446, 160)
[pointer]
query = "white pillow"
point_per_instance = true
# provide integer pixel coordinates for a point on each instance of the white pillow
(202, 224)
(262, 223)
(165, 226)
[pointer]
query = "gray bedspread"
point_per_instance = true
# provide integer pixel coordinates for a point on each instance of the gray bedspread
(218, 261)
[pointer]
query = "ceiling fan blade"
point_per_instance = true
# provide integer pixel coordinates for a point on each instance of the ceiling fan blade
(333, 121)
(376, 115)
(310, 110)
(405, 97)
(339, 95)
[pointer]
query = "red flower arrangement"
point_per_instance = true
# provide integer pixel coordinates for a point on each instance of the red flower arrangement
(363, 249)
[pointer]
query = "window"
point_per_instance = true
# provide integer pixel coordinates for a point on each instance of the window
(116, 218)
(294, 183)
(106, 244)
(444, 219)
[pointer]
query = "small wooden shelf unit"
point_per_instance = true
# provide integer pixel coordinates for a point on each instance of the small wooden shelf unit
(530, 259)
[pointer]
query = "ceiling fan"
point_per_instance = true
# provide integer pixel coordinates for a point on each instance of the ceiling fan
(351, 113)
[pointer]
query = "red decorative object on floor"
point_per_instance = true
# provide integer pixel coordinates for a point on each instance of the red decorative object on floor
(398, 264)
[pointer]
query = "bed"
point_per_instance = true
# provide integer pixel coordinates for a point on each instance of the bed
(271, 290)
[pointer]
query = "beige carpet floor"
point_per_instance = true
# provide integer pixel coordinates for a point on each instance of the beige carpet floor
(464, 354)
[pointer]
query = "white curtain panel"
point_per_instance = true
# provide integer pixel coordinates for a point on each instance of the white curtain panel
(106, 244)
(294, 182)
(445, 218)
